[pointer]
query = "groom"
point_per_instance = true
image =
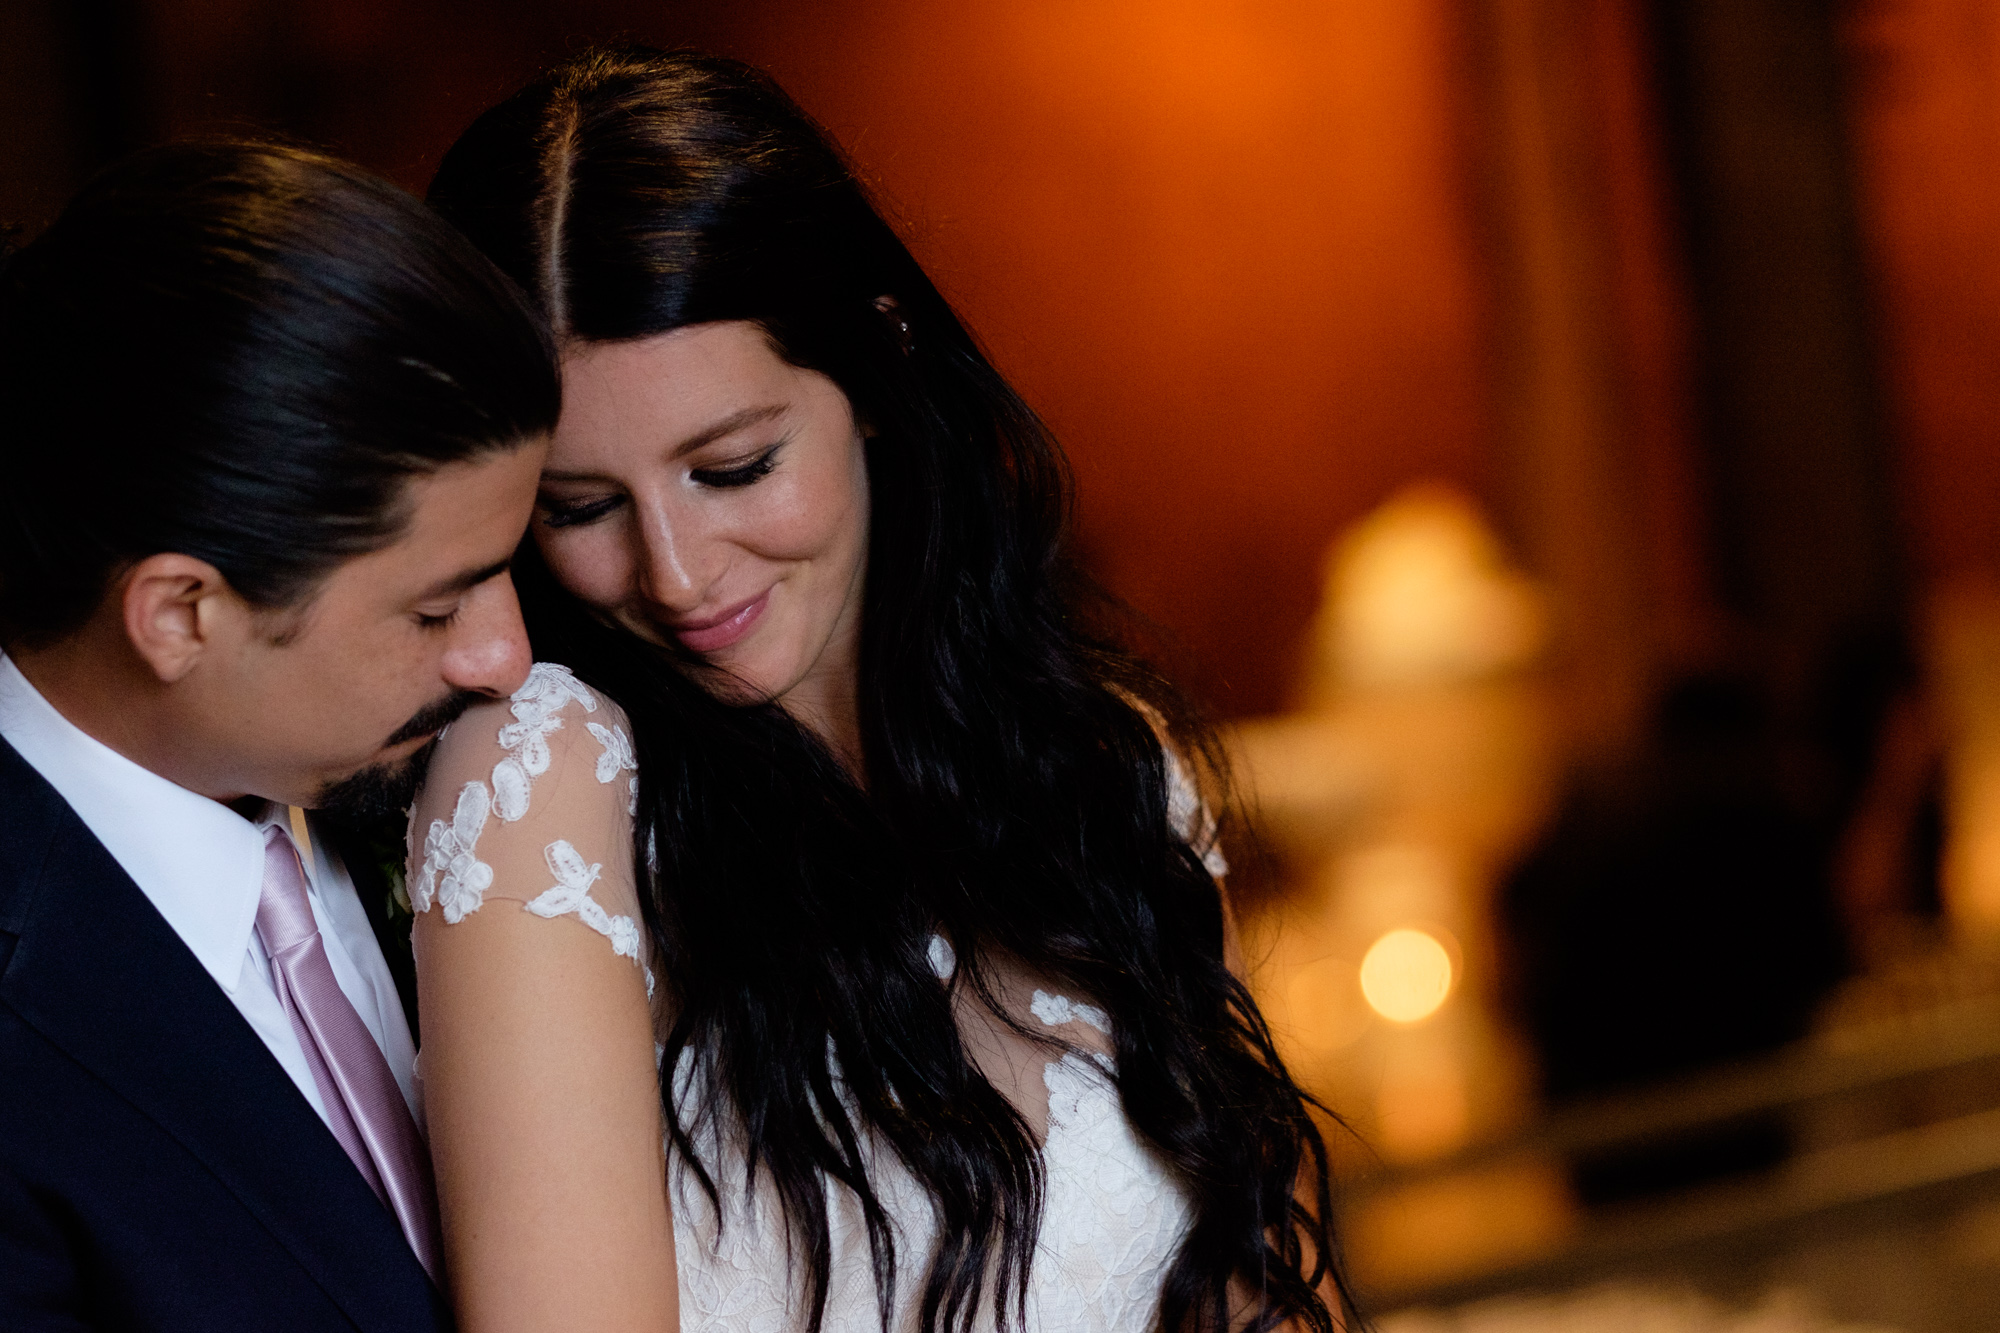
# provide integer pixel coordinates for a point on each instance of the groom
(269, 432)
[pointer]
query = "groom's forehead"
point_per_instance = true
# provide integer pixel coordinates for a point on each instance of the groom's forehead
(460, 527)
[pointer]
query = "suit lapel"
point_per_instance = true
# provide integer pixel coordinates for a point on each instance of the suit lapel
(100, 974)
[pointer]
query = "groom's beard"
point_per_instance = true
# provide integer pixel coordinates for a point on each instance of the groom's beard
(382, 790)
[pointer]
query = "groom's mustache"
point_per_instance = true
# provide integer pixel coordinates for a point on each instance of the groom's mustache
(434, 717)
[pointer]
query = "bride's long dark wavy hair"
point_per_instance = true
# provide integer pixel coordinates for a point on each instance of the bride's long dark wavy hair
(1016, 793)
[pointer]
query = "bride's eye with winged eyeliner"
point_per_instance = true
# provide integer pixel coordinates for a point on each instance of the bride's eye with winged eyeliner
(744, 474)
(573, 513)
(559, 513)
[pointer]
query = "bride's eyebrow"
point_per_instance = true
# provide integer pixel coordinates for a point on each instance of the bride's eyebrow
(729, 425)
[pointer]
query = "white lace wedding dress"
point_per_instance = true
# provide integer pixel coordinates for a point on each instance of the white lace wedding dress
(539, 819)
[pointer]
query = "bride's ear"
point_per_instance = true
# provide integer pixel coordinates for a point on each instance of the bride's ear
(892, 310)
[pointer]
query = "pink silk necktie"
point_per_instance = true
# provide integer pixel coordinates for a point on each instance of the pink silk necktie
(364, 1107)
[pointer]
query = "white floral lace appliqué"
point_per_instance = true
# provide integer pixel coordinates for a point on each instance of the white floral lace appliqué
(572, 894)
(452, 876)
(456, 879)
(617, 757)
(942, 958)
(1055, 1010)
(536, 707)
(1190, 817)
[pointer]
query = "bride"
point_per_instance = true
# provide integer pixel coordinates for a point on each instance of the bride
(834, 940)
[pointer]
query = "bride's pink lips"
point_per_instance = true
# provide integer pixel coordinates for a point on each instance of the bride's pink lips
(717, 632)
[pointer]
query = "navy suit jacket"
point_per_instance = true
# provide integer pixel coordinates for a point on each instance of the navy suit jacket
(158, 1169)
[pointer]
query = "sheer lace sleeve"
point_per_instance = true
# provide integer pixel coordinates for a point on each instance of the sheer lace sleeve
(1187, 813)
(528, 806)
(537, 1062)
(1191, 817)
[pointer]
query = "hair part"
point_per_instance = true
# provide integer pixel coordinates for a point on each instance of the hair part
(242, 352)
(1017, 790)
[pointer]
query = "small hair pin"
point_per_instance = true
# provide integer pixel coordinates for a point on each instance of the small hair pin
(892, 310)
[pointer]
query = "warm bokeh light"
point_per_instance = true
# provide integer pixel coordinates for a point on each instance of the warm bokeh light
(1406, 975)
(1420, 592)
(1320, 1006)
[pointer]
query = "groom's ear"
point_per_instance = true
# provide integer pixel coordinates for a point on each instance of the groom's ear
(174, 606)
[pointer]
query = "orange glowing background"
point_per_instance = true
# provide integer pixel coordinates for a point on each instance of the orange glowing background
(1222, 247)
(1924, 90)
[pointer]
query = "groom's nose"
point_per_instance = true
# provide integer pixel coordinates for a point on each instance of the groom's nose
(488, 649)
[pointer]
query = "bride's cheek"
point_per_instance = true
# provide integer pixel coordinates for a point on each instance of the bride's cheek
(593, 570)
(793, 524)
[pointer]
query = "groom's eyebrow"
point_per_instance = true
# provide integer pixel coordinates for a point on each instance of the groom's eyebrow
(470, 578)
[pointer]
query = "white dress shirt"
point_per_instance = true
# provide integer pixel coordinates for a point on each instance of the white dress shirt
(202, 866)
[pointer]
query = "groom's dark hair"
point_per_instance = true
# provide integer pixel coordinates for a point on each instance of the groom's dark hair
(241, 352)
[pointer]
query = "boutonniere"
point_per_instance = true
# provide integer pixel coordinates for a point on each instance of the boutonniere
(386, 844)
(398, 904)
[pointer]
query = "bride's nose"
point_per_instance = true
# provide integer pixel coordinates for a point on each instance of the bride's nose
(670, 569)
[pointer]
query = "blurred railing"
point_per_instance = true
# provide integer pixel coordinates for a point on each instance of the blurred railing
(1894, 1132)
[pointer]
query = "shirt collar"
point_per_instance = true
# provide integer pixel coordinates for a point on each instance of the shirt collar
(200, 863)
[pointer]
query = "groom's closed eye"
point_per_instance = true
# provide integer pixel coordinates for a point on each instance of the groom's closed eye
(440, 606)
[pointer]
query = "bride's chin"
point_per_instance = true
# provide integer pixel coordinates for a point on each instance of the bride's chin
(726, 681)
